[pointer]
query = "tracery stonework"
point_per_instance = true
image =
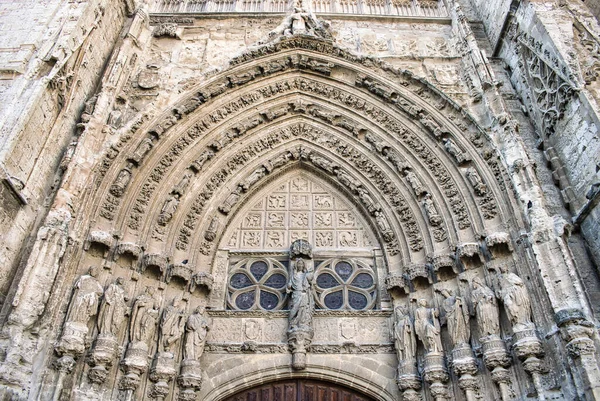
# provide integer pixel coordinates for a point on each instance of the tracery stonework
(252, 201)
(300, 208)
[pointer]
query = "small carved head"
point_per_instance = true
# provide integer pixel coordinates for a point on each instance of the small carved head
(93, 271)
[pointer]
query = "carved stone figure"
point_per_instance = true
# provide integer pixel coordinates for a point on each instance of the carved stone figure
(454, 150)
(415, 183)
(486, 308)
(384, 226)
(171, 327)
(142, 150)
(404, 335)
(254, 177)
(476, 181)
(367, 200)
(84, 305)
(196, 330)
(432, 214)
(204, 157)
(515, 298)
(86, 298)
(183, 184)
(302, 303)
(113, 309)
(121, 182)
(168, 210)
(457, 318)
(323, 163)
(231, 200)
(144, 316)
(211, 231)
(427, 327)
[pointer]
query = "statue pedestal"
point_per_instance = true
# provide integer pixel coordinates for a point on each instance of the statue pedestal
(190, 379)
(102, 358)
(299, 340)
(135, 364)
(497, 360)
(465, 367)
(529, 350)
(408, 380)
(436, 375)
(163, 370)
(73, 339)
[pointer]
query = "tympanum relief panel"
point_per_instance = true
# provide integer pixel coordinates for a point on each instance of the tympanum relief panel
(299, 207)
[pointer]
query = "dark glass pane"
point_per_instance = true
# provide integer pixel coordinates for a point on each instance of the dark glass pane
(277, 280)
(335, 300)
(356, 300)
(259, 269)
(326, 280)
(245, 300)
(363, 280)
(240, 280)
(268, 300)
(344, 269)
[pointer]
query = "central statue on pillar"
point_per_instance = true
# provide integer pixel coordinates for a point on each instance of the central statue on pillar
(302, 303)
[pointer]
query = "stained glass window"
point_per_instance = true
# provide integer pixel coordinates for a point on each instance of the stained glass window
(257, 284)
(344, 284)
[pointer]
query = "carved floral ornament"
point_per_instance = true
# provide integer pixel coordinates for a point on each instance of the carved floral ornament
(175, 209)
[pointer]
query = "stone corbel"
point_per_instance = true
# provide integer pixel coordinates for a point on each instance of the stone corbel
(184, 272)
(170, 30)
(444, 260)
(201, 279)
(498, 240)
(128, 248)
(469, 253)
(102, 239)
(155, 261)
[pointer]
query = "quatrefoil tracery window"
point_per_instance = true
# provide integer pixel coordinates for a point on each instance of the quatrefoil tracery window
(339, 284)
(344, 284)
(257, 284)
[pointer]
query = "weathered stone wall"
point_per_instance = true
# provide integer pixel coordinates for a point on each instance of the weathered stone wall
(55, 55)
(431, 150)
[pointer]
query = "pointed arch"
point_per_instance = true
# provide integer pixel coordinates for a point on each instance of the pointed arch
(405, 144)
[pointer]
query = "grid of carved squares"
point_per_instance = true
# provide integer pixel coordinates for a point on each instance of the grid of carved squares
(299, 209)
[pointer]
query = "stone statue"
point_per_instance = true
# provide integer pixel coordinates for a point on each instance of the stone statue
(515, 297)
(367, 200)
(86, 298)
(302, 303)
(168, 210)
(454, 150)
(84, 305)
(113, 309)
(457, 318)
(183, 184)
(144, 316)
(254, 177)
(415, 183)
(430, 210)
(486, 308)
(427, 327)
(171, 327)
(404, 335)
(142, 150)
(121, 182)
(476, 181)
(196, 330)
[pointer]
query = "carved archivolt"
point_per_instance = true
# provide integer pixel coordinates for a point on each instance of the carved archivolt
(172, 184)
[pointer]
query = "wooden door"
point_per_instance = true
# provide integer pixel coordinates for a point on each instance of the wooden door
(299, 390)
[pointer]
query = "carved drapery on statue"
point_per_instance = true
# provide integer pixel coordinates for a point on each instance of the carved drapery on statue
(196, 331)
(302, 303)
(142, 327)
(405, 343)
(111, 317)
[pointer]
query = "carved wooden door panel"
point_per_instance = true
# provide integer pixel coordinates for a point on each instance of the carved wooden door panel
(298, 390)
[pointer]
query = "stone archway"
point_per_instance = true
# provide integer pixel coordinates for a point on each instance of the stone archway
(298, 390)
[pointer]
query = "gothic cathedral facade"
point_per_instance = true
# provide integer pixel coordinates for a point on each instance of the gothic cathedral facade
(231, 200)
